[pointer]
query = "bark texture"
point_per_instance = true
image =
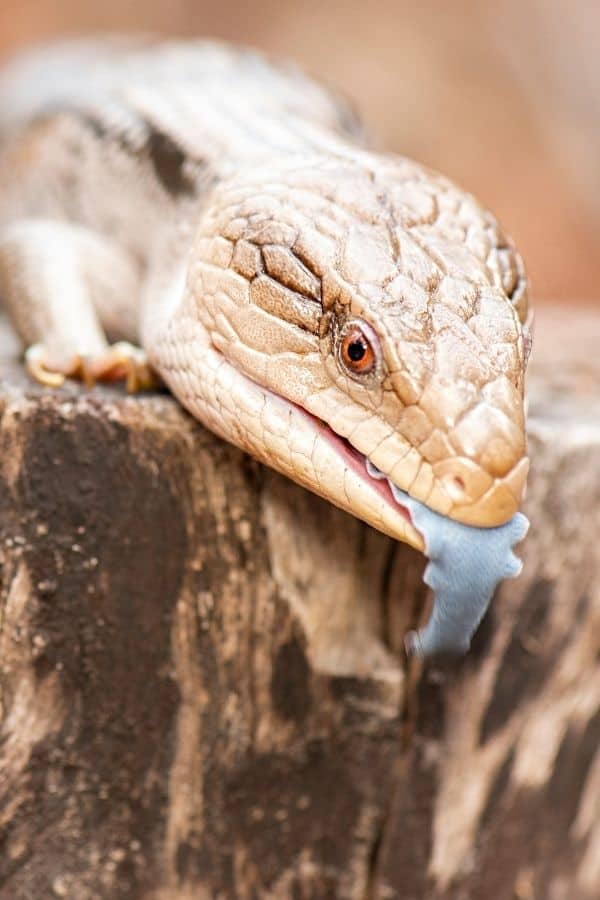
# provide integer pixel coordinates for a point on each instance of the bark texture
(202, 690)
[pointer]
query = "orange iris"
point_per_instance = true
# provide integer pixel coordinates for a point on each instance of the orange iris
(357, 353)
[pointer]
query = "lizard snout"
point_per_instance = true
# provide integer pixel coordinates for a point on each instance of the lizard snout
(477, 497)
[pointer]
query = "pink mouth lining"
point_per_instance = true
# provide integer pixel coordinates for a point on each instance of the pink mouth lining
(357, 461)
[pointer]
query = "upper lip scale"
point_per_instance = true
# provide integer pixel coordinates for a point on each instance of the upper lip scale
(361, 460)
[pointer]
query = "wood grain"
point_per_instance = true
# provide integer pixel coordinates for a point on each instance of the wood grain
(202, 691)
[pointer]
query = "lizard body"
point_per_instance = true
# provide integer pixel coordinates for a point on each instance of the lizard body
(333, 311)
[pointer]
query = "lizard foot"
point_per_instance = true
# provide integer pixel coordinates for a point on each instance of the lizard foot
(120, 362)
(123, 362)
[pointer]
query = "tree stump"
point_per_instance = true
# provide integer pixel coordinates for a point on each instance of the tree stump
(202, 687)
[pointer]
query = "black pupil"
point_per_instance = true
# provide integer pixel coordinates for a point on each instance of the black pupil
(357, 349)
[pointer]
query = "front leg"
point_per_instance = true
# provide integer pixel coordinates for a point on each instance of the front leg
(65, 288)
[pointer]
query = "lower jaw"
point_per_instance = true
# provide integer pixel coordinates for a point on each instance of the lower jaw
(375, 481)
(362, 466)
(284, 436)
(367, 498)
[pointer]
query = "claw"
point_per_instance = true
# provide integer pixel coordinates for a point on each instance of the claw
(122, 361)
(48, 373)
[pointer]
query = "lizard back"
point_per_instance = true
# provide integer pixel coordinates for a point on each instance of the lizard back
(118, 134)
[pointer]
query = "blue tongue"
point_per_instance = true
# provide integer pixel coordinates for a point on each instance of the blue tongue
(465, 566)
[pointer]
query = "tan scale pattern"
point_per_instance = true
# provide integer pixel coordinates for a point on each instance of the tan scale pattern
(276, 228)
(322, 239)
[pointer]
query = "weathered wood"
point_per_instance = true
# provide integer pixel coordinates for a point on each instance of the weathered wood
(202, 687)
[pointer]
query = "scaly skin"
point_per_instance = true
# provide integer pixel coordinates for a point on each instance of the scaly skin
(285, 255)
(280, 231)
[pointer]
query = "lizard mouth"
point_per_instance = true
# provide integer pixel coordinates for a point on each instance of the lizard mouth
(362, 466)
(366, 493)
(465, 563)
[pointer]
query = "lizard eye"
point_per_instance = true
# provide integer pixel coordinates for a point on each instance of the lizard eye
(359, 348)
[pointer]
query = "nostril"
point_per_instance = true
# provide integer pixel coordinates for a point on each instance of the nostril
(462, 480)
(456, 487)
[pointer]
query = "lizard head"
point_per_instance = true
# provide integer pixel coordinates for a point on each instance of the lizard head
(376, 315)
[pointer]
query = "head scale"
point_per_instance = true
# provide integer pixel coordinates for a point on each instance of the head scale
(294, 259)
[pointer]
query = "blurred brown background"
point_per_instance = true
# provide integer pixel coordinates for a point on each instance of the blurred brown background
(503, 97)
